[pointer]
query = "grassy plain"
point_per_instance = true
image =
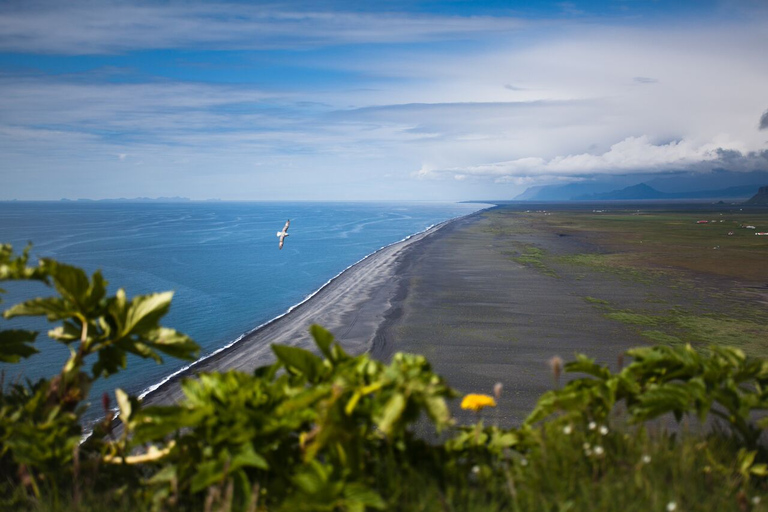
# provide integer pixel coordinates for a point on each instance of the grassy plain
(699, 283)
(659, 240)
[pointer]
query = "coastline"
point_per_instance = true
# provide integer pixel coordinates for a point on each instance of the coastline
(352, 305)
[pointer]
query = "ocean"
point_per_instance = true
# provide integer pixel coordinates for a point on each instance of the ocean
(220, 258)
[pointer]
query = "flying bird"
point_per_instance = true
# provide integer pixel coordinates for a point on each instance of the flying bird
(282, 234)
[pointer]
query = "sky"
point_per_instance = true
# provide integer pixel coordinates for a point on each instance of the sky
(439, 100)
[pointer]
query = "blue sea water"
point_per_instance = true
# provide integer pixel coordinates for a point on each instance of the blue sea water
(220, 259)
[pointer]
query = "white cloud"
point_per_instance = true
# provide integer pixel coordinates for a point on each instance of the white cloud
(631, 155)
(78, 27)
(535, 103)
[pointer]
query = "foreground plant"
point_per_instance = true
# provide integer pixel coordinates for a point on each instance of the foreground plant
(300, 431)
(328, 431)
(718, 381)
(39, 422)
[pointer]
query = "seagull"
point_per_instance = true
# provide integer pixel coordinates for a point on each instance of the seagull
(284, 233)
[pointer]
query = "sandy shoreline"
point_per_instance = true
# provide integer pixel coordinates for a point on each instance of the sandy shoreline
(352, 306)
(480, 317)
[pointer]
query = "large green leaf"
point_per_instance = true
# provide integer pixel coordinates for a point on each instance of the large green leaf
(323, 339)
(145, 311)
(173, 343)
(438, 411)
(71, 282)
(110, 360)
(246, 456)
(207, 473)
(360, 494)
(392, 412)
(14, 345)
(300, 360)
(53, 308)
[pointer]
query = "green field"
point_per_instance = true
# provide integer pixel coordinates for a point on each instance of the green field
(671, 239)
(698, 283)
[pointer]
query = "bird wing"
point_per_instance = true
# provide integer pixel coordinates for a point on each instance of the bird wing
(287, 223)
(282, 240)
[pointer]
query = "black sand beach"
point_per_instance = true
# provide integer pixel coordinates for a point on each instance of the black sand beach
(482, 318)
(454, 295)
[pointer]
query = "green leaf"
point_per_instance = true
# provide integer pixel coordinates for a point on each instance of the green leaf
(68, 332)
(165, 475)
(392, 412)
(110, 360)
(14, 345)
(53, 308)
(124, 404)
(303, 361)
(207, 473)
(438, 411)
(359, 493)
(145, 311)
(71, 282)
(248, 457)
(584, 364)
(323, 339)
(173, 343)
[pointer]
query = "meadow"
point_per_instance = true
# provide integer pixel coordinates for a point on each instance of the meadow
(699, 283)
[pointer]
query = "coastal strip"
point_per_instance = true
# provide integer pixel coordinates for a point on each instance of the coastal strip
(352, 306)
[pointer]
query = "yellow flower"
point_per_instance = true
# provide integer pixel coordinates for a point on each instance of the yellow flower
(475, 402)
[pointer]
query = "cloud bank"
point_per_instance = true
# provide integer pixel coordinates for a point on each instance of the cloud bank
(236, 100)
(630, 156)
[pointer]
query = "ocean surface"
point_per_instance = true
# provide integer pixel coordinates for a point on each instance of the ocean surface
(220, 259)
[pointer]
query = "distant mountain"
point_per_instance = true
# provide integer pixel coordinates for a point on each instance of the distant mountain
(563, 192)
(645, 191)
(716, 180)
(759, 199)
(722, 193)
(718, 183)
(639, 191)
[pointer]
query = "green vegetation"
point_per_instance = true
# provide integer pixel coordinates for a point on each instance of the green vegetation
(329, 431)
(533, 257)
(661, 240)
(623, 266)
(632, 318)
(677, 325)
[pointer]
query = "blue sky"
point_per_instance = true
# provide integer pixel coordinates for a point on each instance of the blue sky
(432, 100)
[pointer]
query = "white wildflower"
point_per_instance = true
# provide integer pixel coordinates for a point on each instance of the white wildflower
(592, 425)
(599, 450)
(755, 500)
(523, 462)
(586, 446)
(475, 469)
(567, 430)
(603, 430)
(671, 506)
(646, 459)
